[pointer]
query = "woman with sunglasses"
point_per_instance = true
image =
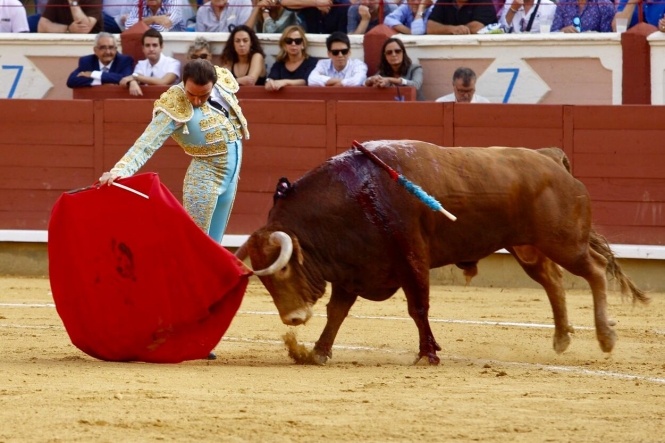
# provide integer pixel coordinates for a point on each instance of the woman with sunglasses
(293, 64)
(397, 69)
(244, 57)
(199, 49)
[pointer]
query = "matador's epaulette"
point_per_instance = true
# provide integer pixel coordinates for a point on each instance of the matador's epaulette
(174, 103)
(226, 80)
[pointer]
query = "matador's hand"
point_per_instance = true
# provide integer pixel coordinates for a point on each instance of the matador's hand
(107, 178)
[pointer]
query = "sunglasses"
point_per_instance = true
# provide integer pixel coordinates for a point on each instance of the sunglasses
(336, 52)
(195, 56)
(290, 41)
(393, 51)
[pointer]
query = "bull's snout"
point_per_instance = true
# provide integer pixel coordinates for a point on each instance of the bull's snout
(297, 317)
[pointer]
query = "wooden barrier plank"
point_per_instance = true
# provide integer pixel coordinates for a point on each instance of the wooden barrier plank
(640, 235)
(513, 116)
(46, 155)
(648, 166)
(611, 117)
(628, 213)
(284, 112)
(285, 136)
(36, 132)
(38, 112)
(625, 189)
(389, 113)
(110, 92)
(347, 134)
(38, 178)
(500, 136)
(619, 140)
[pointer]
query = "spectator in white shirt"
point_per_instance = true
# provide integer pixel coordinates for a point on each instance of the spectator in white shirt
(156, 68)
(339, 69)
(223, 15)
(162, 15)
(525, 16)
(13, 17)
(464, 88)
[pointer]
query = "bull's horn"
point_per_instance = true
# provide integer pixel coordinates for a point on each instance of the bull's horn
(286, 249)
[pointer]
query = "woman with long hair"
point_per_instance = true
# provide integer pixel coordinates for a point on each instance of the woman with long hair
(244, 57)
(397, 69)
(293, 64)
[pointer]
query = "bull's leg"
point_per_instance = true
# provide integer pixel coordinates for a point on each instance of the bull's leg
(547, 273)
(417, 298)
(337, 309)
(591, 267)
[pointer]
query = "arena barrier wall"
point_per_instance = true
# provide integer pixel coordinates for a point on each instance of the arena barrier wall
(49, 147)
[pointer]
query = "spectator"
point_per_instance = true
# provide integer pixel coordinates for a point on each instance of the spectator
(595, 15)
(199, 49)
(456, 17)
(397, 69)
(276, 19)
(244, 57)
(105, 66)
(410, 17)
(75, 16)
(204, 117)
(162, 15)
(223, 15)
(339, 69)
(464, 88)
(628, 9)
(364, 15)
(293, 64)
(156, 68)
(13, 17)
(115, 13)
(525, 16)
(320, 16)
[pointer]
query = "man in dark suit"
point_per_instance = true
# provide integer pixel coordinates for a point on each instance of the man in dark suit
(106, 65)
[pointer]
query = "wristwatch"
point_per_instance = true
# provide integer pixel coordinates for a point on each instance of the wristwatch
(135, 74)
(73, 3)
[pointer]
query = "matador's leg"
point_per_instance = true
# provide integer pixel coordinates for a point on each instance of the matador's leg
(209, 189)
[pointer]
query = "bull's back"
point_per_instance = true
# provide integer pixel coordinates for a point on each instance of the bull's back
(501, 196)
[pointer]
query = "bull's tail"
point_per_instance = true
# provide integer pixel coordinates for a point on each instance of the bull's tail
(599, 244)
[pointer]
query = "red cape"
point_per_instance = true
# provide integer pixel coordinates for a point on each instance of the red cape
(134, 279)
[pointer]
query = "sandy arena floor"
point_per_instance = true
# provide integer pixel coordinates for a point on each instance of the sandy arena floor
(499, 379)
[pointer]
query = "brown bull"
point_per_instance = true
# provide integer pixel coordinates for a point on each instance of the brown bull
(346, 222)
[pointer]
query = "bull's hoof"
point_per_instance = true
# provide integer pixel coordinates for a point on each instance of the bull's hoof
(561, 342)
(432, 359)
(607, 340)
(319, 359)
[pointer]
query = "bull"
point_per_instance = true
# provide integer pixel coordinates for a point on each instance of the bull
(346, 222)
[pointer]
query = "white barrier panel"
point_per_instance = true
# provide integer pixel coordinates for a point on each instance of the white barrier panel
(553, 68)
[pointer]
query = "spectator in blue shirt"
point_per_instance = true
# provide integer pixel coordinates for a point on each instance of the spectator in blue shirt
(653, 12)
(410, 17)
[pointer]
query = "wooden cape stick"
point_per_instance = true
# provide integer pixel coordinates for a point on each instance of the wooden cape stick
(414, 189)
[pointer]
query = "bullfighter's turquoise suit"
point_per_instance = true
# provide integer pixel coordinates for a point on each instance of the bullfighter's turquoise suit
(214, 140)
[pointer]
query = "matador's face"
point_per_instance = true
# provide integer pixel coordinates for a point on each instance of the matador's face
(197, 94)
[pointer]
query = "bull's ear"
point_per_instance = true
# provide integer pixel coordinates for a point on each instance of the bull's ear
(297, 249)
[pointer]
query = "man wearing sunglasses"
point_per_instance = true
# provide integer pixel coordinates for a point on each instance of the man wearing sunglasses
(105, 66)
(339, 69)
